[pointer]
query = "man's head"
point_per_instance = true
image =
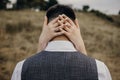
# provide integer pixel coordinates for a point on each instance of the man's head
(57, 10)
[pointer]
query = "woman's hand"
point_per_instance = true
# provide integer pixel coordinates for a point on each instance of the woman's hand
(72, 31)
(50, 30)
(67, 27)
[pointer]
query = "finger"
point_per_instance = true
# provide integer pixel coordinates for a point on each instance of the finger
(54, 20)
(70, 21)
(76, 22)
(58, 33)
(45, 21)
(60, 22)
(64, 32)
(64, 16)
(68, 25)
(56, 29)
(62, 19)
(61, 26)
(56, 24)
(67, 29)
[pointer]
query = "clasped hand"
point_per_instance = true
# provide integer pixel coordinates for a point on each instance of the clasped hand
(62, 25)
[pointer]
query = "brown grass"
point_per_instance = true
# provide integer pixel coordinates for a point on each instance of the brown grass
(19, 33)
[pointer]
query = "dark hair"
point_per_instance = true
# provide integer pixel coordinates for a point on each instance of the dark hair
(57, 10)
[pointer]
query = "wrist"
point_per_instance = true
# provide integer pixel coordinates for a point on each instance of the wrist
(80, 46)
(42, 44)
(43, 39)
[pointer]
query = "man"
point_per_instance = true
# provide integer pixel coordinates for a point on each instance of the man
(61, 52)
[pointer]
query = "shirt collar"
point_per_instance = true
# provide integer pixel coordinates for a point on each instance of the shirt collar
(66, 46)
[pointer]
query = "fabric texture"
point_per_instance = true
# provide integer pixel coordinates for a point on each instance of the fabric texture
(48, 65)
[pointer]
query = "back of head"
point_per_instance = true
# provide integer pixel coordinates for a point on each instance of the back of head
(57, 10)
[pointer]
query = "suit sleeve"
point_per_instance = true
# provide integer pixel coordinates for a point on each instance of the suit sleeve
(17, 71)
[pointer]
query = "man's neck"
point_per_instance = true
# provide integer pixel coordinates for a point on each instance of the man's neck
(63, 38)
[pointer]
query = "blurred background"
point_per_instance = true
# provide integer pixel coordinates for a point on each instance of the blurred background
(21, 24)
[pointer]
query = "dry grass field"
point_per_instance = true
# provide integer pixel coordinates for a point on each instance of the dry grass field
(20, 30)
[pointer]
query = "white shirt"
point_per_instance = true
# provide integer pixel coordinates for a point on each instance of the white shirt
(103, 72)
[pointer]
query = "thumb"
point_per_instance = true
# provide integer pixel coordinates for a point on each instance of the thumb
(45, 21)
